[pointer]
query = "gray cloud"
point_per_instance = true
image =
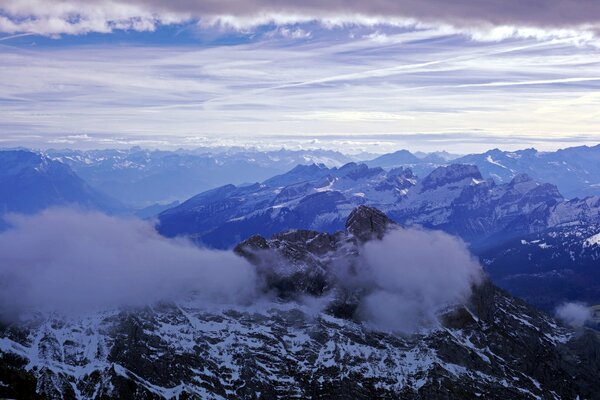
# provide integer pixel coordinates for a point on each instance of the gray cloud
(70, 261)
(410, 276)
(573, 314)
(77, 16)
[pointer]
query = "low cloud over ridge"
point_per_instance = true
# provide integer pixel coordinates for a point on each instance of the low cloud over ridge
(410, 276)
(77, 16)
(73, 261)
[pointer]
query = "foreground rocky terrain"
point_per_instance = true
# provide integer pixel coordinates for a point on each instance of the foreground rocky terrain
(288, 344)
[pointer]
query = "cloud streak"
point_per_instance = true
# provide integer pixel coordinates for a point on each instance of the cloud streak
(417, 81)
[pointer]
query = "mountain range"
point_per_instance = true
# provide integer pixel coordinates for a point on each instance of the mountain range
(454, 198)
(488, 346)
(140, 177)
(573, 170)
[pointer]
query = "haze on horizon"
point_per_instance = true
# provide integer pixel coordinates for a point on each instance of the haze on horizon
(348, 75)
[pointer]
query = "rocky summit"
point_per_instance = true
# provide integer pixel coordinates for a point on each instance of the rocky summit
(301, 339)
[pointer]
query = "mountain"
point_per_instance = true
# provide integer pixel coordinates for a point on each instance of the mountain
(30, 182)
(420, 163)
(452, 198)
(395, 159)
(142, 177)
(307, 197)
(488, 346)
(573, 170)
(549, 268)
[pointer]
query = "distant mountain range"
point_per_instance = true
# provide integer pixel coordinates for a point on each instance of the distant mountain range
(454, 198)
(31, 182)
(140, 178)
(575, 170)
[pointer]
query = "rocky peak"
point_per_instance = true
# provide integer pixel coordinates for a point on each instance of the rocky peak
(521, 178)
(450, 174)
(367, 222)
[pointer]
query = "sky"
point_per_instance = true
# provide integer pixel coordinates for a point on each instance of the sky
(352, 75)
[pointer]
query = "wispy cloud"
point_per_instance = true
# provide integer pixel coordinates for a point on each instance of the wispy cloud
(346, 81)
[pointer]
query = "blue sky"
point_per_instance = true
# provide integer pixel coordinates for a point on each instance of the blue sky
(87, 78)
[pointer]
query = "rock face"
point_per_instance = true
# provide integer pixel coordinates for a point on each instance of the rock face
(367, 223)
(491, 346)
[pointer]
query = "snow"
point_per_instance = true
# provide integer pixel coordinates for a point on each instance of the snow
(592, 241)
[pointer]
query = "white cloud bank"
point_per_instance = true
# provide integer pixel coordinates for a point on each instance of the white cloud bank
(78, 16)
(72, 261)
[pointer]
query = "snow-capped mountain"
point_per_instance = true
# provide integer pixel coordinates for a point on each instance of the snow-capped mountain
(143, 177)
(549, 268)
(488, 346)
(31, 182)
(453, 198)
(573, 170)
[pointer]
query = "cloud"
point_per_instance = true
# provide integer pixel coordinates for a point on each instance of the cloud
(573, 314)
(409, 276)
(72, 261)
(79, 16)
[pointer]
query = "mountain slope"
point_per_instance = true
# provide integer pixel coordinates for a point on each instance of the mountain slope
(30, 182)
(549, 268)
(491, 346)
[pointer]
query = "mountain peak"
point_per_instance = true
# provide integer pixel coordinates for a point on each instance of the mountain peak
(449, 174)
(521, 178)
(366, 222)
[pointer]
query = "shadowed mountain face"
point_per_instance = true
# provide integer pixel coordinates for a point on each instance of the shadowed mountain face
(31, 182)
(452, 198)
(488, 345)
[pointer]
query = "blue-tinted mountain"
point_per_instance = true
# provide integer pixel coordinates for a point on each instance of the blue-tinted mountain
(452, 198)
(142, 177)
(30, 182)
(575, 170)
(551, 267)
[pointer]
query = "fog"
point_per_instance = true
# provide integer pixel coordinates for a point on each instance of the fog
(573, 314)
(73, 261)
(409, 276)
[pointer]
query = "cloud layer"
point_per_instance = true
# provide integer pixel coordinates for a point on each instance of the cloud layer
(78, 16)
(70, 261)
